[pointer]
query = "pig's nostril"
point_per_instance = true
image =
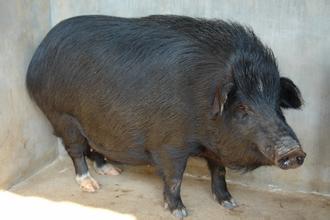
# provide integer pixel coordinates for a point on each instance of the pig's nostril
(300, 160)
(284, 162)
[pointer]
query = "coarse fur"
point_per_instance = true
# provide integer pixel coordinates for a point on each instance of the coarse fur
(159, 89)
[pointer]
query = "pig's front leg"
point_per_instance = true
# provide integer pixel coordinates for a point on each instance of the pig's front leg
(219, 186)
(171, 163)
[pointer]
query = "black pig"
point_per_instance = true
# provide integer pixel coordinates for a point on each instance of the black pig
(160, 89)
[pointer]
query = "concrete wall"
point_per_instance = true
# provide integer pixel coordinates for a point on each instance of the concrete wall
(26, 143)
(297, 30)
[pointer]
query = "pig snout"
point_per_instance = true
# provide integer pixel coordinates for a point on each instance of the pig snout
(288, 153)
(292, 159)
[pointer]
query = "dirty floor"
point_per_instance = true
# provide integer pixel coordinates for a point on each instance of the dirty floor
(137, 194)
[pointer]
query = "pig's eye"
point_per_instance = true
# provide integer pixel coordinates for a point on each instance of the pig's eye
(243, 108)
(243, 111)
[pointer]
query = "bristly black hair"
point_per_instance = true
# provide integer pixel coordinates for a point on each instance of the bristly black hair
(255, 69)
(252, 64)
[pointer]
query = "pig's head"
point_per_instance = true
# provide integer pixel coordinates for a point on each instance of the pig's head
(249, 110)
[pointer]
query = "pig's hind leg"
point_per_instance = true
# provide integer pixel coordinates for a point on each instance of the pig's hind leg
(219, 186)
(67, 127)
(101, 165)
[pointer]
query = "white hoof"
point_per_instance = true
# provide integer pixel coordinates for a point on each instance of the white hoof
(229, 204)
(87, 183)
(107, 169)
(180, 213)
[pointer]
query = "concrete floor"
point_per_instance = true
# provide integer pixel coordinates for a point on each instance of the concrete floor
(137, 194)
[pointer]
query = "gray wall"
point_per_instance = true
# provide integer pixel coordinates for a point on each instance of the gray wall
(298, 32)
(26, 143)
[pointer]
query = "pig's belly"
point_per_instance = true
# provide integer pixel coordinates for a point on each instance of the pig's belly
(129, 156)
(134, 155)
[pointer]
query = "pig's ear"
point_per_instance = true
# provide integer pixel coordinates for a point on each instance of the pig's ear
(290, 96)
(220, 99)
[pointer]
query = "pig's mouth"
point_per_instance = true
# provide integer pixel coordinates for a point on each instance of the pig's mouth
(291, 159)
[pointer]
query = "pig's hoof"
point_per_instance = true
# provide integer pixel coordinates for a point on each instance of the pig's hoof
(180, 213)
(107, 169)
(87, 183)
(229, 204)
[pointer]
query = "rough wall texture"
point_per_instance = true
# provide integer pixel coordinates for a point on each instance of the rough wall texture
(26, 143)
(297, 30)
